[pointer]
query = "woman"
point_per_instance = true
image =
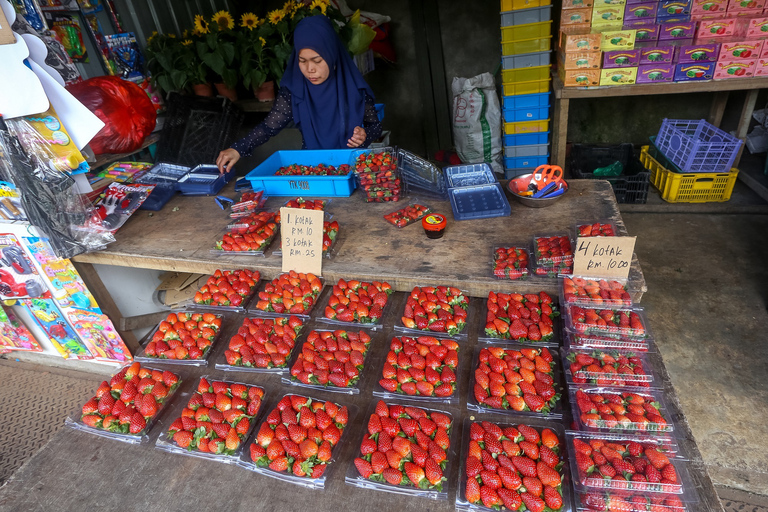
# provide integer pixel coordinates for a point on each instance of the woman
(322, 92)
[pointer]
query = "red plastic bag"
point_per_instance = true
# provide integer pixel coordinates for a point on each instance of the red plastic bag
(125, 109)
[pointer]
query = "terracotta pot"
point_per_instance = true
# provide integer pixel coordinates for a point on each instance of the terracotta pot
(202, 90)
(265, 92)
(227, 92)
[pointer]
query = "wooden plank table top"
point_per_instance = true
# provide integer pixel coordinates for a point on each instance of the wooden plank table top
(180, 238)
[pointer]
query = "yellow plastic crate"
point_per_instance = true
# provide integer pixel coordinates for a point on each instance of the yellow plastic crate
(525, 74)
(526, 127)
(694, 187)
(533, 87)
(539, 44)
(527, 31)
(513, 5)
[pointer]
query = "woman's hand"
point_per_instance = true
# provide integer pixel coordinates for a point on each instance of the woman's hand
(358, 138)
(227, 159)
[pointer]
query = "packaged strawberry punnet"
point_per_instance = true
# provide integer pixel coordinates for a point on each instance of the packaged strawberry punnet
(377, 175)
(228, 289)
(289, 293)
(525, 318)
(250, 201)
(511, 262)
(606, 321)
(513, 466)
(439, 310)
(601, 228)
(553, 255)
(636, 501)
(298, 440)
(515, 379)
(421, 368)
(608, 368)
(407, 215)
(262, 345)
(126, 406)
(331, 361)
(599, 409)
(184, 337)
(307, 204)
(353, 302)
(593, 341)
(404, 450)
(251, 234)
(215, 421)
(594, 291)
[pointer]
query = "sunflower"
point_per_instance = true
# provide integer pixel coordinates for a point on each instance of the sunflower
(201, 26)
(223, 20)
(319, 4)
(150, 38)
(276, 16)
(290, 7)
(263, 41)
(185, 34)
(186, 42)
(249, 21)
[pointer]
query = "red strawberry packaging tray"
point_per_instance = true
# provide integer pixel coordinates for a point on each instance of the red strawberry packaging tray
(213, 421)
(331, 361)
(376, 173)
(638, 501)
(356, 303)
(262, 345)
(184, 337)
(609, 368)
(601, 228)
(420, 368)
(594, 292)
(553, 250)
(511, 262)
(592, 341)
(127, 406)
(515, 379)
(227, 289)
(606, 321)
(598, 409)
(407, 215)
(250, 235)
(298, 441)
(604, 462)
(404, 450)
(291, 292)
(440, 310)
(518, 466)
(525, 318)
(250, 201)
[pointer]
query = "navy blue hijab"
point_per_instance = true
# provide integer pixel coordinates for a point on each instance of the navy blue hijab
(326, 113)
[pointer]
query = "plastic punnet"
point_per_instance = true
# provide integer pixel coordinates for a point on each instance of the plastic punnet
(262, 345)
(600, 409)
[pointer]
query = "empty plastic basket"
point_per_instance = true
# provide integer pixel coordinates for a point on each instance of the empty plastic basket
(697, 146)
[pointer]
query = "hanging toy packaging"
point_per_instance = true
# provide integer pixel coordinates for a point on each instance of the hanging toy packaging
(99, 335)
(18, 277)
(68, 31)
(48, 317)
(119, 202)
(14, 335)
(124, 51)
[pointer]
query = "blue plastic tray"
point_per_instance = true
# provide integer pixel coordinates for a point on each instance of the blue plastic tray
(469, 175)
(164, 174)
(526, 139)
(263, 176)
(525, 161)
(204, 180)
(526, 100)
(159, 196)
(479, 202)
(526, 114)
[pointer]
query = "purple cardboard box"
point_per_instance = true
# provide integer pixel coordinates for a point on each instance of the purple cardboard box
(657, 55)
(645, 11)
(621, 59)
(698, 53)
(646, 32)
(655, 73)
(674, 31)
(690, 72)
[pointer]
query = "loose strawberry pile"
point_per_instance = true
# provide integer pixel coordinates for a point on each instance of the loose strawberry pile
(263, 342)
(378, 177)
(405, 447)
(130, 400)
(436, 309)
(299, 436)
(407, 215)
(519, 317)
(513, 466)
(607, 368)
(554, 255)
(606, 464)
(217, 417)
(313, 170)
(425, 366)
(606, 321)
(595, 291)
(358, 301)
(292, 292)
(331, 358)
(510, 263)
(227, 288)
(596, 229)
(620, 411)
(254, 232)
(520, 380)
(626, 501)
(184, 335)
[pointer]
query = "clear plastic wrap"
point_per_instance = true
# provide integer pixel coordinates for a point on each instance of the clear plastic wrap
(262, 345)
(227, 290)
(511, 262)
(407, 215)
(600, 342)
(594, 291)
(523, 318)
(599, 409)
(600, 228)
(292, 293)
(354, 303)
(437, 310)
(183, 338)
(609, 368)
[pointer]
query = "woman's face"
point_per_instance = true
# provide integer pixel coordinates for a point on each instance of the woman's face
(313, 66)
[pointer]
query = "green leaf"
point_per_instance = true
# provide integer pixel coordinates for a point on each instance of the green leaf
(179, 79)
(228, 51)
(164, 82)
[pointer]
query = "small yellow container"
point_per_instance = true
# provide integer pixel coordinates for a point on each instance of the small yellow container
(532, 87)
(526, 127)
(525, 74)
(694, 187)
(541, 44)
(513, 5)
(618, 76)
(527, 31)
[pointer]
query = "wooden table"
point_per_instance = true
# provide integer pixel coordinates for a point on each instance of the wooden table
(721, 88)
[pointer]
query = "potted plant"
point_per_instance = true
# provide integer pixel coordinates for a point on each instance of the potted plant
(165, 63)
(255, 57)
(217, 50)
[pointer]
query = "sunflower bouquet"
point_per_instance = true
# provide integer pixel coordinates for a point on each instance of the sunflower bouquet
(217, 46)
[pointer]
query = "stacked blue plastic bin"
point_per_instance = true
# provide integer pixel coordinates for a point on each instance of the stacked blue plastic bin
(526, 37)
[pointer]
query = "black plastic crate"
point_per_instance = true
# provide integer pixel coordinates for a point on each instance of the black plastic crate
(631, 187)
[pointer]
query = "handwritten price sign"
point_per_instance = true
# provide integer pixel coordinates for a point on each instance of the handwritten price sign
(302, 235)
(603, 256)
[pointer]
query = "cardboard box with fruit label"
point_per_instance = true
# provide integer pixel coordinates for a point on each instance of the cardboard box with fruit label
(618, 40)
(745, 5)
(726, 69)
(746, 13)
(640, 12)
(655, 73)
(694, 72)
(761, 67)
(621, 59)
(576, 16)
(674, 8)
(709, 6)
(757, 28)
(580, 60)
(658, 55)
(713, 16)
(677, 31)
(580, 77)
(576, 4)
(716, 29)
(618, 76)
(741, 50)
(645, 32)
(571, 40)
(698, 53)
(605, 15)
(609, 3)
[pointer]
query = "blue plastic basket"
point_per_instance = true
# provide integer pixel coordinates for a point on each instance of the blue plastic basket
(697, 146)
(526, 114)
(526, 139)
(526, 100)
(263, 176)
(525, 161)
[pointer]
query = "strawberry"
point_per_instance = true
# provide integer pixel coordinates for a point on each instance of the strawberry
(549, 438)
(656, 458)
(472, 491)
(415, 474)
(552, 498)
(533, 503)
(489, 497)
(433, 472)
(509, 477)
(392, 476)
(473, 467)
(524, 465)
(491, 479)
(280, 464)
(183, 438)
(137, 424)
(547, 475)
(379, 462)
(364, 467)
(510, 498)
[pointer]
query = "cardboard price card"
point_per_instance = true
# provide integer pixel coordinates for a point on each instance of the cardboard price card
(302, 240)
(603, 256)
